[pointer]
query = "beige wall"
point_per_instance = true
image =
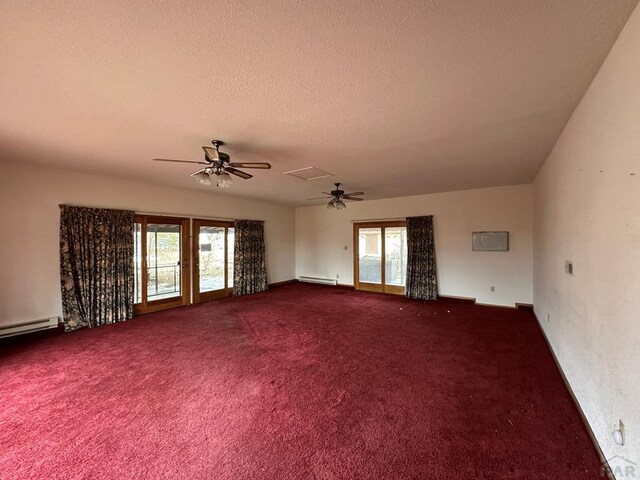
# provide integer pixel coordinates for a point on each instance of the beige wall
(587, 210)
(29, 215)
(324, 240)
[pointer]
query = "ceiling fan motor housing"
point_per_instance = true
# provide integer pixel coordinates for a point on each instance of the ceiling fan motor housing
(221, 155)
(337, 192)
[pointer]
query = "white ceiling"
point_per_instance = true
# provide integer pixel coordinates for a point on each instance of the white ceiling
(393, 97)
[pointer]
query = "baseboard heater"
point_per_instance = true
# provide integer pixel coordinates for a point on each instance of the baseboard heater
(28, 327)
(320, 280)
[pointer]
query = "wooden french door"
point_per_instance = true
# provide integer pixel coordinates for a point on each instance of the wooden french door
(161, 256)
(380, 256)
(213, 243)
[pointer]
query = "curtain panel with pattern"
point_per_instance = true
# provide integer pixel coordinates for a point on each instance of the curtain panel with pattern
(249, 266)
(96, 266)
(422, 281)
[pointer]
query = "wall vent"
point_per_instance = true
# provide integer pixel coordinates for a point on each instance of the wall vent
(321, 280)
(28, 327)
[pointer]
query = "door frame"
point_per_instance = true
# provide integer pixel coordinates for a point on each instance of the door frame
(199, 297)
(374, 287)
(146, 306)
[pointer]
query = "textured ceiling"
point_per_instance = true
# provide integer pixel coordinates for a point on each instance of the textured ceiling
(393, 97)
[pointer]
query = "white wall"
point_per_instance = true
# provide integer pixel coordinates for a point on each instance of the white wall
(324, 240)
(587, 210)
(29, 215)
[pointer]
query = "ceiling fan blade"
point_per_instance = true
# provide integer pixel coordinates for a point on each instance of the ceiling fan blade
(353, 194)
(238, 173)
(354, 199)
(319, 198)
(177, 161)
(211, 153)
(262, 165)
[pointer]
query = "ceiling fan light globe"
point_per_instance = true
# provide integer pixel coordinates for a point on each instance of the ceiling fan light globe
(331, 205)
(202, 178)
(224, 180)
(340, 205)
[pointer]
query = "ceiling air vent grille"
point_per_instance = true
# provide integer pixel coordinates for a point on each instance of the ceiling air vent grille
(309, 173)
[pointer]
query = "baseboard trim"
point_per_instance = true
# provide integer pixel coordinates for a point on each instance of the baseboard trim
(348, 286)
(497, 306)
(32, 336)
(455, 297)
(345, 286)
(475, 301)
(583, 417)
(284, 282)
(524, 305)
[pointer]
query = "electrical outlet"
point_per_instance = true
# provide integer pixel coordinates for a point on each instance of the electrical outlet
(337, 276)
(548, 317)
(493, 289)
(568, 267)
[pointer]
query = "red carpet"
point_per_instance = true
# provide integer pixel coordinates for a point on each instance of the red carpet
(300, 382)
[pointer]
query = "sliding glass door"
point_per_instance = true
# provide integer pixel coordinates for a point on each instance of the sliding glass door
(161, 263)
(213, 260)
(380, 260)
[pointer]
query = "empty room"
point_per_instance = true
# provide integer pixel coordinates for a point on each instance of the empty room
(320, 240)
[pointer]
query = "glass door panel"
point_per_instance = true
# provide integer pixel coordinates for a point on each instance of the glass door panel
(213, 258)
(395, 250)
(230, 252)
(370, 255)
(161, 257)
(395, 259)
(137, 258)
(376, 241)
(163, 261)
(211, 252)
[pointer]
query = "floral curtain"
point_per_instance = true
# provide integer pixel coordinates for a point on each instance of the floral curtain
(96, 266)
(249, 266)
(422, 282)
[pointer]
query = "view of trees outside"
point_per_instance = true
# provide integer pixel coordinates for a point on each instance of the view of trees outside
(211, 241)
(163, 261)
(230, 249)
(395, 249)
(212, 255)
(137, 254)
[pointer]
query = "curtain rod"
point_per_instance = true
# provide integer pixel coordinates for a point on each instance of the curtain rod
(193, 216)
(204, 217)
(156, 214)
(397, 219)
